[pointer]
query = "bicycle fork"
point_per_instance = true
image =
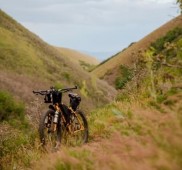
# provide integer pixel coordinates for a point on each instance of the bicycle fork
(56, 117)
(79, 126)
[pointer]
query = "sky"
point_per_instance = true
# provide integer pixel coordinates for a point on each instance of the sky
(98, 27)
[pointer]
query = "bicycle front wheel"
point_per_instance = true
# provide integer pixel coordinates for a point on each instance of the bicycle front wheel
(50, 134)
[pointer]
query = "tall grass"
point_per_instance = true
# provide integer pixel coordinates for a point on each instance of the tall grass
(10, 110)
(127, 131)
(125, 76)
(17, 137)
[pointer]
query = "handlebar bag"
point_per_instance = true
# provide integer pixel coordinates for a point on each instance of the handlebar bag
(56, 97)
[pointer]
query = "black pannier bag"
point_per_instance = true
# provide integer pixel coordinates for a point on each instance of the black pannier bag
(74, 100)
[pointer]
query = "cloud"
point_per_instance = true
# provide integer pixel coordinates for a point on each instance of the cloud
(81, 11)
(91, 24)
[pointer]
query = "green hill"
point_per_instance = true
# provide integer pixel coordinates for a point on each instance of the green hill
(25, 58)
(111, 68)
(28, 63)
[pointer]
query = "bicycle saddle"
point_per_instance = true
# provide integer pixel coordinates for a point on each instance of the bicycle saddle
(73, 95)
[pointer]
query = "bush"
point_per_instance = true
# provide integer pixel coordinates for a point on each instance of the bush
(126, 75)
(9, 108)
(169, 37)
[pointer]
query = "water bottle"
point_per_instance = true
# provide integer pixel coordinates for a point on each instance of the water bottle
(56, 117)
(46, 120)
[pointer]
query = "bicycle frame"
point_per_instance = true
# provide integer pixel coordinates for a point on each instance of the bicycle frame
(63, 119)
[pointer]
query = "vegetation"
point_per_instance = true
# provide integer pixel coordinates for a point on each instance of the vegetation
(143, 127)
(17, 148)
(86, 62)
(130, 55)
(86, 66)
(156, 67)
(17, 138)
(12, 111)
(180, 4)
(124, 78)
(123, 130)
(27, 56)
(158, 70)
(9, 108)
(27, 63)
(159, 45)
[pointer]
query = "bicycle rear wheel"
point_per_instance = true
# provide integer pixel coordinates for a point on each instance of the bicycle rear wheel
(76, 133)
(49, 136)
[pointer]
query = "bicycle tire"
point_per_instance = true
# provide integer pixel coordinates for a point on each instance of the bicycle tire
(86, 132)
(56, 136)
(78, 138)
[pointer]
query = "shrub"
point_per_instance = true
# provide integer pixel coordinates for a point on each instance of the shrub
(169, 37)
(9, 108)
(126, 75)
(18, 149)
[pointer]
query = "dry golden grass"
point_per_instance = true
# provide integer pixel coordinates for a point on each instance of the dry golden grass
(109, 70)
(76, 56)
(147, 140)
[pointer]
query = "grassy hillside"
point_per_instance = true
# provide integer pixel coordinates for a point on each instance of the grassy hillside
(26, 56)
(111, 68)
(85, 61)
(142, 128)
(27, 63)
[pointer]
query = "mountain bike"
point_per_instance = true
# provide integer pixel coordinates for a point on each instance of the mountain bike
(62, 123)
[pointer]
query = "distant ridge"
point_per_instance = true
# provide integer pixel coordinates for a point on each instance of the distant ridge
(76, 56)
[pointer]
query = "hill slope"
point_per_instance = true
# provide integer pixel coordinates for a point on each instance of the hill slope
(110, 69)
(24, 56)
(27, 63)
(79, 58)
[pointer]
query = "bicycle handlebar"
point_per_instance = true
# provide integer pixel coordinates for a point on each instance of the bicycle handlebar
(44, 92)
(67, 89)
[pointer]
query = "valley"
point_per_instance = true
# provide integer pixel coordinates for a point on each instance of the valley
(133, 101)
